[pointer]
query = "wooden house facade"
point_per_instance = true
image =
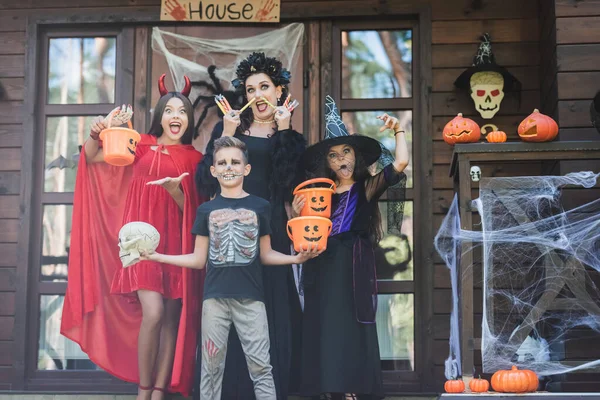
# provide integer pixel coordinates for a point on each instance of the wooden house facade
(551, 46)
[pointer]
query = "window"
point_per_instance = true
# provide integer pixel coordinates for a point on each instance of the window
(374, 67)
(81, 76)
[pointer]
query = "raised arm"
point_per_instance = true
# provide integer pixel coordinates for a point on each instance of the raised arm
(92, 150)
(393, 173)
(401, 152)
(195, 260)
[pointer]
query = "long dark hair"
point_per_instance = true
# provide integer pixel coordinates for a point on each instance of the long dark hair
(360, 174)
(156, 125)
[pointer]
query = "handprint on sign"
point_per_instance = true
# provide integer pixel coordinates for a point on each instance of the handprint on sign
(266, 7)
(175, 9)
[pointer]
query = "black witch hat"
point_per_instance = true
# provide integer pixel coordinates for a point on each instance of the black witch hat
(336, 134)
(484, 61)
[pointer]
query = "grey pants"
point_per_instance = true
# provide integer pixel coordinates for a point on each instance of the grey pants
(249, 318)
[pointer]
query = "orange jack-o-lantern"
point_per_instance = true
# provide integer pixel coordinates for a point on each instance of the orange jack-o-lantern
(461, 130)
(515, 381)
(454, 386)
(119, 144)
(317, 199)
(538, 127)
(305, 232)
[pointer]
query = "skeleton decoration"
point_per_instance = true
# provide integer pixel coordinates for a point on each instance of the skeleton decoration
(486, 81)
(233, 237)
(475, 173)
(135, 237)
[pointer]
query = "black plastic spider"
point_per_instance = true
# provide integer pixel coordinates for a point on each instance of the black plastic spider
(234, 98)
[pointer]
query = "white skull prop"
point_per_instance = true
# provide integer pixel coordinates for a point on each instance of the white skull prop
(135, 237)
(487, 92)
(475, 173)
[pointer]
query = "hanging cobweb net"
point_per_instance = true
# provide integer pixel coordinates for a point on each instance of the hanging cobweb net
(192, 56)
(541, 264)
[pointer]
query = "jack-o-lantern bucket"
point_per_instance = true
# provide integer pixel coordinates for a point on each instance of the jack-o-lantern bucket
(318, 199)
(119, 144)
(306, 231)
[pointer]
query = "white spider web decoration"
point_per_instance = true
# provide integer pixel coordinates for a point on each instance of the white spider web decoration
(540, 274)
(334, 126)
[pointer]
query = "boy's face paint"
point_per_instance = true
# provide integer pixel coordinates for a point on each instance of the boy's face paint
(341, 159)
(229, 167)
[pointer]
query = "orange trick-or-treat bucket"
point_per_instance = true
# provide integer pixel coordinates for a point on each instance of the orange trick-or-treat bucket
(318, 199)
(306, 231)
(119, 144)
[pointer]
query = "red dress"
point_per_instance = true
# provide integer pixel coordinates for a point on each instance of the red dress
(105, 325)
(154, 205)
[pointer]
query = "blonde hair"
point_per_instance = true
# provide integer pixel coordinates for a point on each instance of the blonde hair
(225, 142)
(487, 78)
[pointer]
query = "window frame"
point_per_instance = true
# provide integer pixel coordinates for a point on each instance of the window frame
(397, 381)
(76, 380)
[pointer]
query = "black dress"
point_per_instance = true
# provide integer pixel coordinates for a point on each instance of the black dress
(273, 175)
(340, 347)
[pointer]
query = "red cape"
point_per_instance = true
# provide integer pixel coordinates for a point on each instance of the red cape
(106, 326)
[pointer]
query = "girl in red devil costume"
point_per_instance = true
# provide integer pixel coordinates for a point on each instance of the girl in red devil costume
(152, 339)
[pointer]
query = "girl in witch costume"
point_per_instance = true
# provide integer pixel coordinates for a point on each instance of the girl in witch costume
(148, 311)
(340, 351)
(274, 150)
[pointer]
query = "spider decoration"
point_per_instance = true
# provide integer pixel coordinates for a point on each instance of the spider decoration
(234, 98)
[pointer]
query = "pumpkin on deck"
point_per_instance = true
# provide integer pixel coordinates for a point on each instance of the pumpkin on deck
(515, 381)
(538, 127)
(479, 385)
(454, 386)
(461, 130)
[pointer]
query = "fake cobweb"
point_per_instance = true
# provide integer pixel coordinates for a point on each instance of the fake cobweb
(192, 56)
(541, 264)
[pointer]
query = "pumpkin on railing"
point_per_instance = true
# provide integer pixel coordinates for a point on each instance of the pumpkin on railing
(461, 130)
(538, 127)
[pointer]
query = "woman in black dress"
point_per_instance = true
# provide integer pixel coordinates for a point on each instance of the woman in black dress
(340, 351)
(274, 152)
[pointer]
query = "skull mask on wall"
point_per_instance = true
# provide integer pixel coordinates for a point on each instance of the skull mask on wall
(135, 237)
(487, 91)
(486, 81)
(475, 173)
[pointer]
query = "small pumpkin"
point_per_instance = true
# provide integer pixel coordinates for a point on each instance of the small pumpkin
(515, 381)
(479, 385)
(454, 386)
(495, 136)
(538, 127)
(461, 130)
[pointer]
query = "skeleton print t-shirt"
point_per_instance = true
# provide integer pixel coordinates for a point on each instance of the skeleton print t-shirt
(234, 228)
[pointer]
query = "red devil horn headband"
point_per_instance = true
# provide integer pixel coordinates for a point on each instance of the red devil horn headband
(163, 90)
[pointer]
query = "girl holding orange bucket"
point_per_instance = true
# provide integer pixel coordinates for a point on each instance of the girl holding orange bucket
(340, 346)
(137, 323)
(274, 149)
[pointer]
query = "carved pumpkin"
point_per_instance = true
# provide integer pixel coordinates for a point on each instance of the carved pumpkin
(461, 130)
(515, 381)
(479, 385)
(454, 386)
(538, 127)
